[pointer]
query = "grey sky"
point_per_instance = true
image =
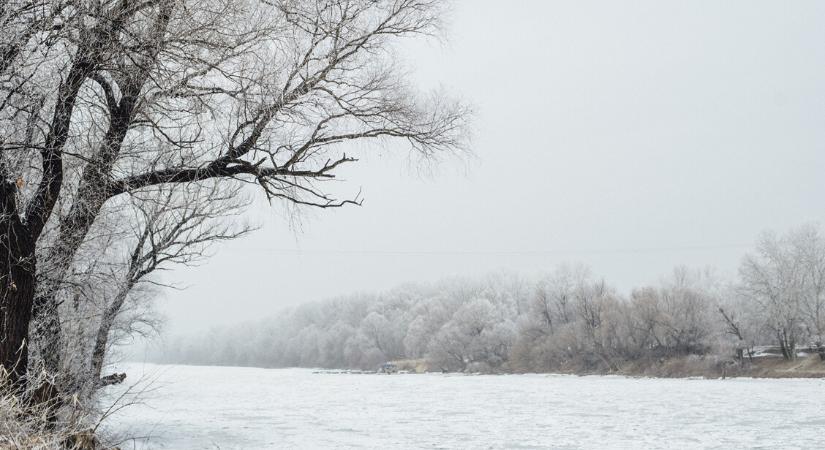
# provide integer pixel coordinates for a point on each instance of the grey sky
(631, 136)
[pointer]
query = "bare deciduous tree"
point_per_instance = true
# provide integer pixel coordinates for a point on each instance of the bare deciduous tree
(136, 95)
(170, 227)
(773, 278)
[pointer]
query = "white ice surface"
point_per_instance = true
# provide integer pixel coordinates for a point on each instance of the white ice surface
(247, 408)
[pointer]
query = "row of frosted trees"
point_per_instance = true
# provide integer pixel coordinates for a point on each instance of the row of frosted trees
(567, 320)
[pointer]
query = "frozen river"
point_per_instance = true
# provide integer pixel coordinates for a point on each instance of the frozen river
(246, 408)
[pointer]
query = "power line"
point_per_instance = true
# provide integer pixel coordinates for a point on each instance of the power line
(292, 251)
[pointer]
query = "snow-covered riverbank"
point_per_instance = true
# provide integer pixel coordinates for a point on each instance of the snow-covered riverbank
(191, 407)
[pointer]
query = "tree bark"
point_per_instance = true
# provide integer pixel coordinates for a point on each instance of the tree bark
(102, 338)
(787, 345)
(17, 276)
(18, 239)
(91, 196)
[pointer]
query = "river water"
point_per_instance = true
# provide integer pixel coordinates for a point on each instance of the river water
(188, 407)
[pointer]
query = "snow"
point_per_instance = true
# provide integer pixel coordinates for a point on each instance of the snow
(247, 408)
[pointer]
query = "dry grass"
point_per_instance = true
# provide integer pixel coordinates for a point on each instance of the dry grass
(29, 423)
(413, 365)
(25, 427)
(708, 366)
(719, 367)
(810, 366)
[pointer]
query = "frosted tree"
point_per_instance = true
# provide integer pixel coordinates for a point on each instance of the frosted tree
(773, 278)
(595, 304)
(676, 317)
(135, 95)
(809, 244)
(785, 279)
(553, 300)
(476, 337)
(430, 315)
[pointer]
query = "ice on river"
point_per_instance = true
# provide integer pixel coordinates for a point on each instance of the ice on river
(247, 408)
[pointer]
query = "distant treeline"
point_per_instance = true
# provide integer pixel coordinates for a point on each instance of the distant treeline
(567, 320)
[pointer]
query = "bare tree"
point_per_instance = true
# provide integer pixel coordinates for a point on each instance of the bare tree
(145, 94)
(553, 301)
(777, 277)
(170, 227)
(739, 328)
(809, 244)
(593, 304)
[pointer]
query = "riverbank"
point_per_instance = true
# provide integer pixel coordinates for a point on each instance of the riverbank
(714, 367)
(691, 366)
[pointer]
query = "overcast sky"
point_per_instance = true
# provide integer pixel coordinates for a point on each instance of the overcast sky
(630, 136)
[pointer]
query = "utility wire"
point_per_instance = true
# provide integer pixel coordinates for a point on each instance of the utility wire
(293, 251)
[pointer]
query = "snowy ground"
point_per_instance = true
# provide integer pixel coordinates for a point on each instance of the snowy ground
(245, 408)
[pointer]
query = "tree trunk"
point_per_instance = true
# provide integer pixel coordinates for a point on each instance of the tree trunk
(102, 338)
(73, 231)
(17, 275)
(92, 194)
(787, 345)
(46, 333)
(16, 298)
